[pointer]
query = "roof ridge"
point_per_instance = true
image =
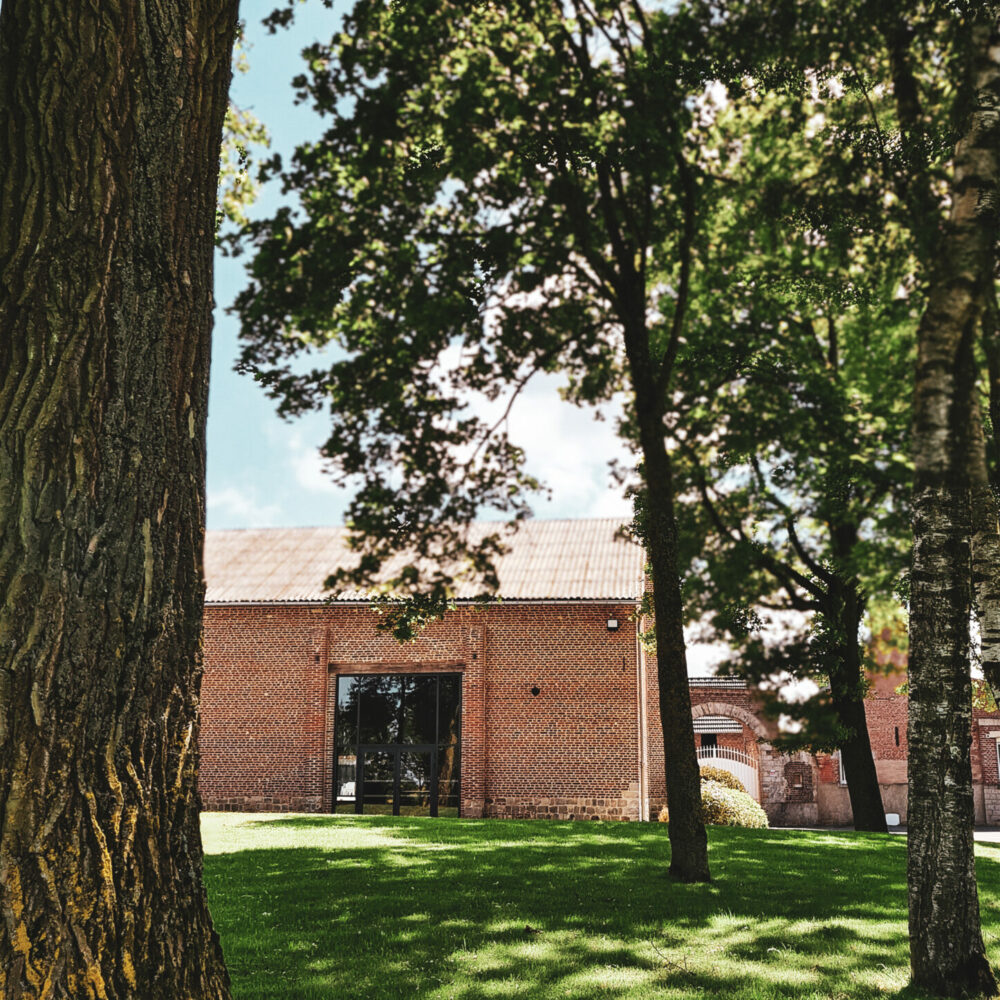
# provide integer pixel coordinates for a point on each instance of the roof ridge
(343, 527)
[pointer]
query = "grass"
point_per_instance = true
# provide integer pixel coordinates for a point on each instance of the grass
(377, 908)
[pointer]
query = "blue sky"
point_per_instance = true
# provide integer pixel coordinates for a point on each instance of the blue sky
(263, 471)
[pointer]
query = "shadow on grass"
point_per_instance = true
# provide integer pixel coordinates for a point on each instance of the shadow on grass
(376, 908)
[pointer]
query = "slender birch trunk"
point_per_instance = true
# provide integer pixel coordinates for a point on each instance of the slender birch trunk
(985, 554)
(946, 946)
(110, 123)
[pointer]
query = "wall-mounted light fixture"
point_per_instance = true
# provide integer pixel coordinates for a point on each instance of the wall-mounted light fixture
(536, 690)
(612, 624)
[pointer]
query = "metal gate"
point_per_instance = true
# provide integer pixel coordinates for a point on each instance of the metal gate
(739, 764)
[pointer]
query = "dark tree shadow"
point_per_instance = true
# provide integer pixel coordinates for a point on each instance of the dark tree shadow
(385, 908)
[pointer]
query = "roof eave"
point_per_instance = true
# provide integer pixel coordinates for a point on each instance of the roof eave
(466, 602)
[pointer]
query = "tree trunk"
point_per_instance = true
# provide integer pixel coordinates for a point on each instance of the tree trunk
(688, 839)
(985, 517)
(844, 610)
(111, 118)
(848, 696)
(991, 347)
(985, 555)
(946, 945)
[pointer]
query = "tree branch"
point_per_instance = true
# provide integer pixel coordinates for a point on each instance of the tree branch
(789, 516)
(787, 576)
(685, 251)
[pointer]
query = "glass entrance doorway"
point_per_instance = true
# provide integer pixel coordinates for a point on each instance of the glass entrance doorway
(397, 742)
(398, 781)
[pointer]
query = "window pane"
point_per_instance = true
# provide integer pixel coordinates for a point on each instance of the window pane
(381, 700)
(420, 710)
(449, 779)
(415, 784)
(449, 709)
(376, 795)
(347, 712)
(346, 782)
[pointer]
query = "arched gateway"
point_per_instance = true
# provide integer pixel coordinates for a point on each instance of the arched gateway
(714, 721)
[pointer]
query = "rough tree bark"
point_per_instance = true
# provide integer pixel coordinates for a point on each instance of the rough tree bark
(110, 122)
(946, 946)
(985, 554)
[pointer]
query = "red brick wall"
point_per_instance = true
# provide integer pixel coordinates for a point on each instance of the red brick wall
(572, 750)
(263, 709)
(886, 712)
(828, 767)
(985, 747)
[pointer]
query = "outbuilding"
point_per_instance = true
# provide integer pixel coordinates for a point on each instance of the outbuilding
(539, 704)
(533, 705)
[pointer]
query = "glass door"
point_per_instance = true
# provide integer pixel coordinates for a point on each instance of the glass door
(377, 782)
(401, 780)
(417, 782)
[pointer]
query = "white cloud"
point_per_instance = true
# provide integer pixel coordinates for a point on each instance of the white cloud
(309, 469)
(305, 468)
(704, 658)
(569, 450)
(565, 446)
(235, 507)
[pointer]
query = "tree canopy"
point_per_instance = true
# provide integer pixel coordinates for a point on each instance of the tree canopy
(727, 213)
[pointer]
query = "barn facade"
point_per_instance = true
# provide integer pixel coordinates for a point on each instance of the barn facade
(542, 704)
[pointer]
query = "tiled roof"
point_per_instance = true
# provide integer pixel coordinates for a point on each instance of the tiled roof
(548, 560)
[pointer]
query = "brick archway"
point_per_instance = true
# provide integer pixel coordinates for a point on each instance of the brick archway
(733, 712)
(760, 751)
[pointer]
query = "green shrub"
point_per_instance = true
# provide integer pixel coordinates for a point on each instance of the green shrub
(723, 778)
(722, 806)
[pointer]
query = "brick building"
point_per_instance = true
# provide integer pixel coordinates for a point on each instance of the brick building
(539, 705)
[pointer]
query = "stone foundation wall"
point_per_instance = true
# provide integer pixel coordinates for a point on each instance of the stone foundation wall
(625, 807)
(296, 804)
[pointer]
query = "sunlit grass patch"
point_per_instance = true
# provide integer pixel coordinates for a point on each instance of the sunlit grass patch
(378, 908)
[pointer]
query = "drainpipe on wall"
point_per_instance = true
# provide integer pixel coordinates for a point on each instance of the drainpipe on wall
(327, 752)
(640, 685)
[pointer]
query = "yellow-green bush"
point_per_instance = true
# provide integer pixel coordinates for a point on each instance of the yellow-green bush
(722, 806)
(723, 778)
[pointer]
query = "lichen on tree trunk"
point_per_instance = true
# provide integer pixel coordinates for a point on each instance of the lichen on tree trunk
(110, 123)
(947, 956)
(985, 555)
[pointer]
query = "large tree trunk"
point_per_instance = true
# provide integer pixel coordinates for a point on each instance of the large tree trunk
(946, 946)
(985, 515)
(688, 840)
(110, 123)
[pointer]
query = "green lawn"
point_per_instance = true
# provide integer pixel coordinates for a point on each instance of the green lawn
(372, 908)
